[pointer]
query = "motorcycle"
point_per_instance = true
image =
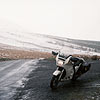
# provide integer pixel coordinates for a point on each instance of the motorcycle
(65, 69)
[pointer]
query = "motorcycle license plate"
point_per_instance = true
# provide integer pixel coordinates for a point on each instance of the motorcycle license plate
(57, 72)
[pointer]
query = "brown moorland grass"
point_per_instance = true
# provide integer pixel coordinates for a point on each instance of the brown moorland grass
(22, 54)
(92, 57)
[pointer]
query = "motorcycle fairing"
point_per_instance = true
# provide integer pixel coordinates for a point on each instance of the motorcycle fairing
(69, 71)
(57, 72)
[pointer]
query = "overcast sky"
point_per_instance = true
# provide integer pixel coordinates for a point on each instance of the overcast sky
(68, 18)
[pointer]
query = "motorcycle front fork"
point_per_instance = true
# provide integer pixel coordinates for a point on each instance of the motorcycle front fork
(60, 76)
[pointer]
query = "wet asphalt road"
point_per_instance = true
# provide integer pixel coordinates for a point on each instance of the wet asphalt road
(12, 73)
(87, 87)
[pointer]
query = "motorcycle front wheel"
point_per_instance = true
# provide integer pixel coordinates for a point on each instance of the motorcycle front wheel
(54, 82)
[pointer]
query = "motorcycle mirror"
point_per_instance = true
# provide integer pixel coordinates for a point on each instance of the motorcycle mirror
(54, 53)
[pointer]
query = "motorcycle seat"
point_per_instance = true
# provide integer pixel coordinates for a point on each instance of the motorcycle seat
(86, 64)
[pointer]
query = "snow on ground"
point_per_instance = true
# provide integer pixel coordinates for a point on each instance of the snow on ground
(43, 43)
(12, 75)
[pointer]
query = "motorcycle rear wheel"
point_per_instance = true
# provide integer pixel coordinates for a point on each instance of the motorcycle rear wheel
(54, 82)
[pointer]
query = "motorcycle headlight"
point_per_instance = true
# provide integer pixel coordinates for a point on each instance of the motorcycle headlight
(60, 63)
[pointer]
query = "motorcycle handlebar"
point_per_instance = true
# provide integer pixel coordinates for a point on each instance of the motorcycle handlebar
(56, 53)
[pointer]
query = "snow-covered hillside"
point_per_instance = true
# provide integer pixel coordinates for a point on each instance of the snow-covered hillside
(32, 41)
(17, 38)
